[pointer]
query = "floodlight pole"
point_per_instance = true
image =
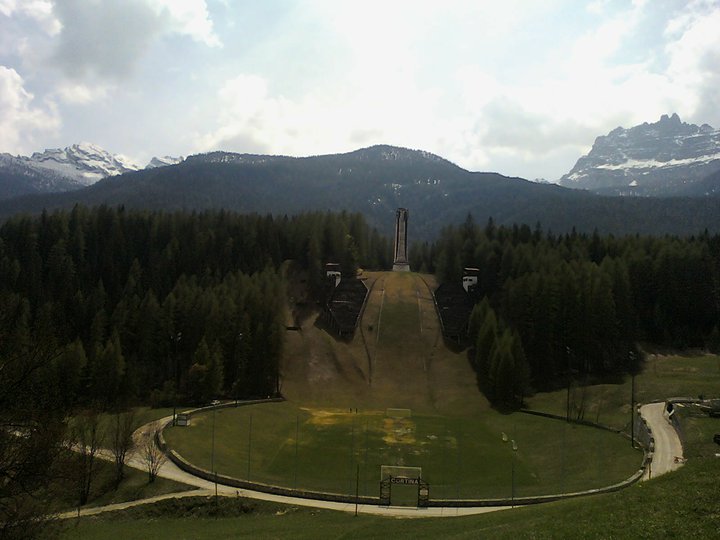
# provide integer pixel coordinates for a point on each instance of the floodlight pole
(632, 411)
(212, 456)
(569, 377)
(357, 488)
(512, 469)
(631, 354)
(249, 446)
(297, 434)
(352, 445)
(175, 338)
(237, 366)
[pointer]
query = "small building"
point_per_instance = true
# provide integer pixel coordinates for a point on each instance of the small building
(333, 273)
(454, 305)
(470, 279)
(344, 308)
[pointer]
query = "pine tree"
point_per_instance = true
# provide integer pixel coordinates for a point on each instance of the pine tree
(502, 368)
(213, 384)
(484, 345)
(107, 372)
(477, 317)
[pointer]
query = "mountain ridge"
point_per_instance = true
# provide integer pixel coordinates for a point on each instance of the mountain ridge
(65, 169)
(376, 181)
(659, 159)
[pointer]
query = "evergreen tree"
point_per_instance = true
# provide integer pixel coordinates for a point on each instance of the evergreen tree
(107, 372)
(484, 346)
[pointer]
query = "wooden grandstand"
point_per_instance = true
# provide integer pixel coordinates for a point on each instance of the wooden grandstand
(454, 305)
(343, 310)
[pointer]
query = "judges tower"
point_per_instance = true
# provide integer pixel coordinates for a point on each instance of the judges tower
(400, 258)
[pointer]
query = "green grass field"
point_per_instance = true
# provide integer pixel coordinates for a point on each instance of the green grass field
(461, 456)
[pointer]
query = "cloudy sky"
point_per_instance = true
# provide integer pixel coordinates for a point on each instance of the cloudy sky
(521, 87)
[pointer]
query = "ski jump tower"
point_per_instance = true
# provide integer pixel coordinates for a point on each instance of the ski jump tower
(400, 258)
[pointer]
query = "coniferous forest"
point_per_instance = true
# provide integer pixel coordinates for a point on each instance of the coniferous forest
(575, 305)
(143, 307)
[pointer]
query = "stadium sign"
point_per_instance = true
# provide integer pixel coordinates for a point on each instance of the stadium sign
(406, 480)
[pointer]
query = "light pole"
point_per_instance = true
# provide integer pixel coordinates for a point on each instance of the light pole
(505, 439)
(237, 367)
(212, 455)
(249, 446)
(632, 398)
(512, 461)
(297, 435)
(569, 373)
(175, 338)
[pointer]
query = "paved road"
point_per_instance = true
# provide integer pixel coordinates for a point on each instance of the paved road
(667, 443)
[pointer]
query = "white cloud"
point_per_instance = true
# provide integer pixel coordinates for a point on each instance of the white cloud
(39, 10)
(189, 17)
(106, 39)
(694, 60)
(515, 86)
(103, 39)
(597, 83)
(20, 119)
(78, 93)
(253, 118)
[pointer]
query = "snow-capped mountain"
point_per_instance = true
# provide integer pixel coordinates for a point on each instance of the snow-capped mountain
(19, 177)
(85, 163)
(164, 161)
(663, 158)
(66, 169)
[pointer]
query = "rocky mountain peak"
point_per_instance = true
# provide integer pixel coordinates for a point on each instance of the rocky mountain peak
(164, 161)
(648, 159)
(673, 120)
(85, 163)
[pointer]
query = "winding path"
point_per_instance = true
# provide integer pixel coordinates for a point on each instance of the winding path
(667, 448)
(668, 455)
(205, 488)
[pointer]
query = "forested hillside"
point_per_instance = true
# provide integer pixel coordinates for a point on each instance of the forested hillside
(375, 181)
(141, 305)
(576, 305)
